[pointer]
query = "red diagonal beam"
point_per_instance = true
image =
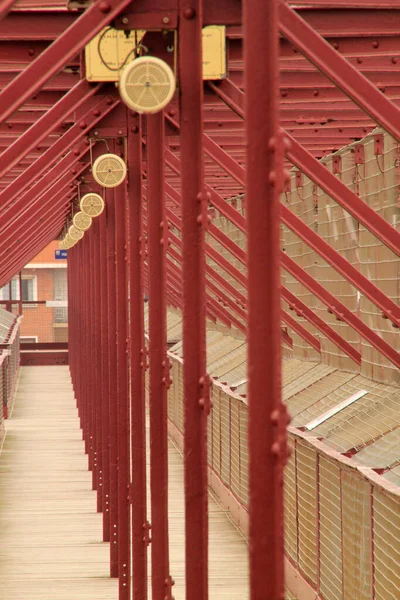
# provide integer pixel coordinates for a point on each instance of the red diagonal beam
(217, 309)
(325, 250)
(338, 69)
(317, 172)
(23, 145)
(6, 5)
(241, 278)
(40, 242)
(221, 297)
(19, 247)
(42, 185)
(41, 206)
(235, 217)
(99, 109)
(56, 56)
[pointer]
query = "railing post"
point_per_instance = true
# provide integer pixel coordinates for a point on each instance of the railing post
(159, 371)
(120, 194)
(112, 380)
(267, 419)
(194, 219)
(137, 362)
(104, 374)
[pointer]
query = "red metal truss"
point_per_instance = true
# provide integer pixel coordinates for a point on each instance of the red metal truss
(332, 303)
(325, 250)
(51, 119)
(99, 109)
(328, 74)
(318, 173)
(338, 70)
(56, 56)
(6, 5)
(294, 303)
(42, 205)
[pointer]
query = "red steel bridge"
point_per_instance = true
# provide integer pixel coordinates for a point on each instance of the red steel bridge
(225, 419)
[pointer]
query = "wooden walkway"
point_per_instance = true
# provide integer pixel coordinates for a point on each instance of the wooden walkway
(50, 533)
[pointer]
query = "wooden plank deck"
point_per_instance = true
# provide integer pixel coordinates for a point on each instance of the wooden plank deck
(50, 533)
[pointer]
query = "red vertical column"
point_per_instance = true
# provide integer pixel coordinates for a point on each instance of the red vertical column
(159, 371)
(194, 217)
(137, 363)
(98, 384)
(112, 380)
(267, 440)
(120, 193)
(86, 355)
(92, 355)
(104, 375)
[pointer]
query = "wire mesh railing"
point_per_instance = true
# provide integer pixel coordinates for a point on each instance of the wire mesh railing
(340, 516)
(9, 361)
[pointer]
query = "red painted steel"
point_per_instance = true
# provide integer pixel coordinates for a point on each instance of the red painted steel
(78, 95)
(267, 443)
(137, 362)
(112, 380)
(73, 136)
(339, 70)
(56, 56)
(318, 173)
(109, 270)
(195, 380)
(159, 364)
(6, 5)
(104, 374)
(235, 217)
(124, 524)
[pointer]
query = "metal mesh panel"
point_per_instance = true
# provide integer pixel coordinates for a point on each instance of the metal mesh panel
(330, 530)
(379, 187)
(377, 413)
(356, 524)
(235, 447)
(307, 379)
(382, 453)
(290, 504)
(386, 545)
(337, 227)
(301, 200)
(225, 438)
(393, 475)
(318, 398)
(306, 462)
(216, 430)
(179, 423)
(244, 454)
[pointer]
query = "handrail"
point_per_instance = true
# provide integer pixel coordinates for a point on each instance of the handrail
(12, 333)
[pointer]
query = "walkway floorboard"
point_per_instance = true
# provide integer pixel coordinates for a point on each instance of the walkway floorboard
(50, 533)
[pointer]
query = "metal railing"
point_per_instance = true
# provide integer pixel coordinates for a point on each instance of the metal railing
(341, 519)
(9, 361)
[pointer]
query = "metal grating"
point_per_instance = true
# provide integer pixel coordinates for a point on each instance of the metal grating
(367, 419)
(318, 398)
(225, 438)
(290, 504)
(306, 461)
(356, 527)
(386, 545)
(330, 530)
(216, 430)
(382, 453)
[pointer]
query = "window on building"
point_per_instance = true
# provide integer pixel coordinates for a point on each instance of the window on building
(29, 289)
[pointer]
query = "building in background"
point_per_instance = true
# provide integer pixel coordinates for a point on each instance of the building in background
(44, 297)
